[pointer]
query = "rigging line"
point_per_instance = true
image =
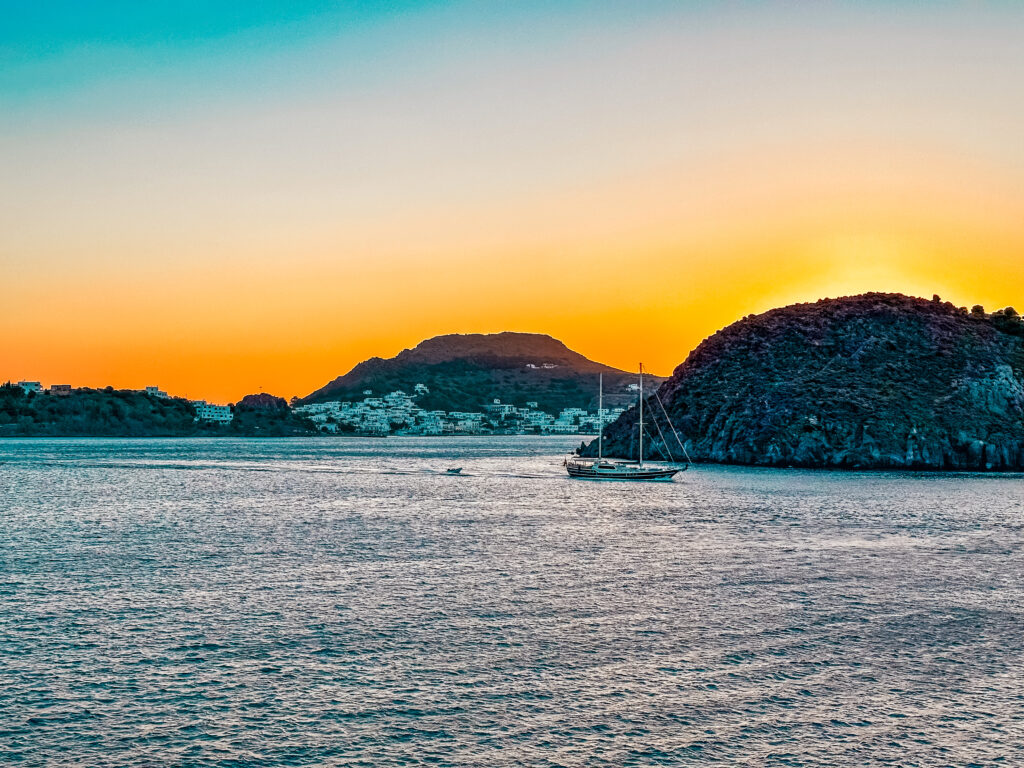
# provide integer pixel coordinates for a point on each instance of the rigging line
(653, 442)
(664, 442)
(673, 427)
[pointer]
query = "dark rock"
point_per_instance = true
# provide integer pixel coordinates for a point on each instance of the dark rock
(262, 402)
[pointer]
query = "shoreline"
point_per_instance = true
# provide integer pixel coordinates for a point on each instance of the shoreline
(888, 470)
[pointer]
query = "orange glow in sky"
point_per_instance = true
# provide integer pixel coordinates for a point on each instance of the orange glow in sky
(628, 187)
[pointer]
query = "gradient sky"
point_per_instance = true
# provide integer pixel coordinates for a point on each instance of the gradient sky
(225, 197)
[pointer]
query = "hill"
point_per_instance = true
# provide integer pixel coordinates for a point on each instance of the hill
(870, 381)
(264, 415)
(465, 372)
(261, 402)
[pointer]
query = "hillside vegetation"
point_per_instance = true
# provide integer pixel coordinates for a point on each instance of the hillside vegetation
(466, 372)
(870, 381)
(129, 413)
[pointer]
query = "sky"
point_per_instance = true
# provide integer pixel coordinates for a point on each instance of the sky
(229, 197)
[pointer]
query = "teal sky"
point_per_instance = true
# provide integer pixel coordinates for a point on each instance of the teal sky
(63, 61)
(58, 50)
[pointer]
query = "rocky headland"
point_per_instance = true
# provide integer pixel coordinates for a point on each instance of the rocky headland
(860, 382)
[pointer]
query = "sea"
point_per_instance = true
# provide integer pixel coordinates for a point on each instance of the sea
(347, 602)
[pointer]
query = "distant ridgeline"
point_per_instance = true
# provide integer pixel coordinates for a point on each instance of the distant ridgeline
(130, 413)
(467, 372)
(871, 381)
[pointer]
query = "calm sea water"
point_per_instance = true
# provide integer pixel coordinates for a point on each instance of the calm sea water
(344, 602)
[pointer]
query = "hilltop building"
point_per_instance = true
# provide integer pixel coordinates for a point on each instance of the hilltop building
(208, 412)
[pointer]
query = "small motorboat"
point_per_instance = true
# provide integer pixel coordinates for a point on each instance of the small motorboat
(453, 471)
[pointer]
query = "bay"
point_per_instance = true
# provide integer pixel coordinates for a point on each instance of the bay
(346, 602)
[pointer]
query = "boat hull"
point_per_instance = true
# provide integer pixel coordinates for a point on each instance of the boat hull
(583, 472)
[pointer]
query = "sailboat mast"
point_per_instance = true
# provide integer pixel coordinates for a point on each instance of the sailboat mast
(600, 415)
(641, 414)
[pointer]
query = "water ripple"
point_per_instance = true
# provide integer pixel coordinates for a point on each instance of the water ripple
(348, 603)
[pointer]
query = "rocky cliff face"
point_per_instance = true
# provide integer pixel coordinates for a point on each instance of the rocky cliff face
(870, 381)
(262, 402)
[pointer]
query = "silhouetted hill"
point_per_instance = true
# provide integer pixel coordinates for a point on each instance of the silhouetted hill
(465, 372)
(261, 402)
(264, 415)
(877, 380)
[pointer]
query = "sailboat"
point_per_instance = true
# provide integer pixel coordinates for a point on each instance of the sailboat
(605, 469)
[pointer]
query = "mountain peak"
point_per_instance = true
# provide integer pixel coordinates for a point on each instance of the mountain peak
(458, 346)
(467, 371)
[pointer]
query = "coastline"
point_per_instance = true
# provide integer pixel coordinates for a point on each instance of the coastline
(329, 439)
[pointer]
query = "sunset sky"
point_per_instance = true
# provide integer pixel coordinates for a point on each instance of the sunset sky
(219, 198)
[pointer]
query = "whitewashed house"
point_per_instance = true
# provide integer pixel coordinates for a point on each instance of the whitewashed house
(209, 412)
